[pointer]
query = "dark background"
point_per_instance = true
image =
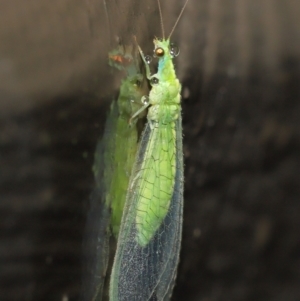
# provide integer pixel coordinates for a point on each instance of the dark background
(240, 68)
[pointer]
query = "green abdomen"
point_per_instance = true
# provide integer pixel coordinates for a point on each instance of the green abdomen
(156, 181)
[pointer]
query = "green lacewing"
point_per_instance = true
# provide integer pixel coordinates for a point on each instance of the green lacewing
(114, 158)
(147, 255)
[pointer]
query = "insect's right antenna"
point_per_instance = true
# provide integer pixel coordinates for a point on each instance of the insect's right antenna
(178, 19)
(161, 19)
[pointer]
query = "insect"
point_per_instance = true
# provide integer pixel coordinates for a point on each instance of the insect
(114, 158)
(125, 135)
(149, 241)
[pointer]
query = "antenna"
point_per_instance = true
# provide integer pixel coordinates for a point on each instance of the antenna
(161, 19)
(178, 19)
(107, 19)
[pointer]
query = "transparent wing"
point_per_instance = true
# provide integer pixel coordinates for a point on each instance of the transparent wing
(97, 231)
(176, 210)
(96, 250)
(114, 158)
(148, 273)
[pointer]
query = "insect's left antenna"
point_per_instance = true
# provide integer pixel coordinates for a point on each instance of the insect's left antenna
(107, 20)
(161, 19)
(181, 12)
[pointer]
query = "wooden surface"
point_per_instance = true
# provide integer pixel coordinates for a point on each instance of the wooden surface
(240, 67)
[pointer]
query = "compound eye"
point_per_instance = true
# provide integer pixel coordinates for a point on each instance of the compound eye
(159, 52)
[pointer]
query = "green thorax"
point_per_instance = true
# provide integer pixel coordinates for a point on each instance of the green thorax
(165, 93)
